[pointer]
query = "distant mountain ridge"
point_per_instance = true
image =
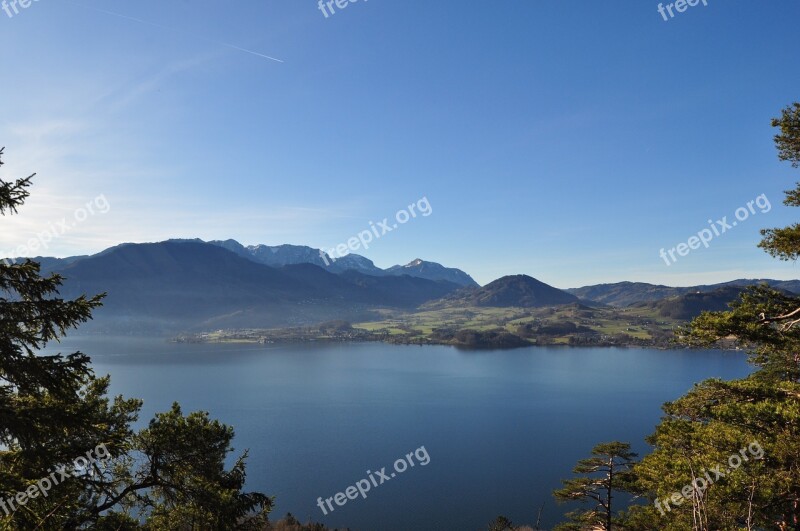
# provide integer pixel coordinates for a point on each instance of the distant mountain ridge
(281, 255)
(433, 271)
(690, 305)
(190, 285)
(622, 294)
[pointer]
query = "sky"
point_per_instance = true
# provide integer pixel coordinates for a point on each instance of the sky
(567, 140)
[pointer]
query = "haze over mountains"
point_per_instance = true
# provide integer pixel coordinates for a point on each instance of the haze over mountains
(175, 285)
(623, 294)
(191, 285)
(282, 255)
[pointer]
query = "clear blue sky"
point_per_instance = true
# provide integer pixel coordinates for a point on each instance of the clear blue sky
(570, 141)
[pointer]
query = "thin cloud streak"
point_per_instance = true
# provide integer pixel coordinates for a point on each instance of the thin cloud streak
(167, 28)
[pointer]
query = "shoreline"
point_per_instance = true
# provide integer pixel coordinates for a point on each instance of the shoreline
(478, 340)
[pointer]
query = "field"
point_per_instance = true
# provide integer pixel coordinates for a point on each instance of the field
(477, 327)
(572, 324)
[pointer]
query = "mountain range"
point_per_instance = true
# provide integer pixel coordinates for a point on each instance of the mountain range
(179, 284)
(283, 255)
(192, 285)
(622, 294)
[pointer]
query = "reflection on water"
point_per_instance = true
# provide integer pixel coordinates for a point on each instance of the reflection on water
(502, 427)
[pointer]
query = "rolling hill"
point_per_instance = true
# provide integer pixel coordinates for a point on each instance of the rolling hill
(519, 291)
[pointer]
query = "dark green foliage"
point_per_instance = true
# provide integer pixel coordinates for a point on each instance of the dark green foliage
(701, 431)
(603, 475)
(788, 141)
(784, 243)
(53, 409)
(290, 523)
(555, 329)
(479, 339)
(501, 523)
(719, 420)
(13, 194)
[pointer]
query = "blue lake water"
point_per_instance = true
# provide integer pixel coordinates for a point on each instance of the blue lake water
(501, 428)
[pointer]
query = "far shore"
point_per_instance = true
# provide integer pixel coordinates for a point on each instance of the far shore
(467, 339)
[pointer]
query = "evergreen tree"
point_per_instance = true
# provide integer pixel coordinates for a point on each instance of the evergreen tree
(718, 420)
(784, 243)
(607, 472)
(54, 410)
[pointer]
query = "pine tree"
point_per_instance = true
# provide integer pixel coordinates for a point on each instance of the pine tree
(53, 410)
(606, 472)
(708, 427)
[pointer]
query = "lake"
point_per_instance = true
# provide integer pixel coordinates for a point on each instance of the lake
(500, 428)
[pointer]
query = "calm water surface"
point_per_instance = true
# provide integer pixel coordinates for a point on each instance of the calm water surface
(501, 427)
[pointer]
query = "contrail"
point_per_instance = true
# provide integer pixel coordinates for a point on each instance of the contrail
(161, 26)
(246, 50)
